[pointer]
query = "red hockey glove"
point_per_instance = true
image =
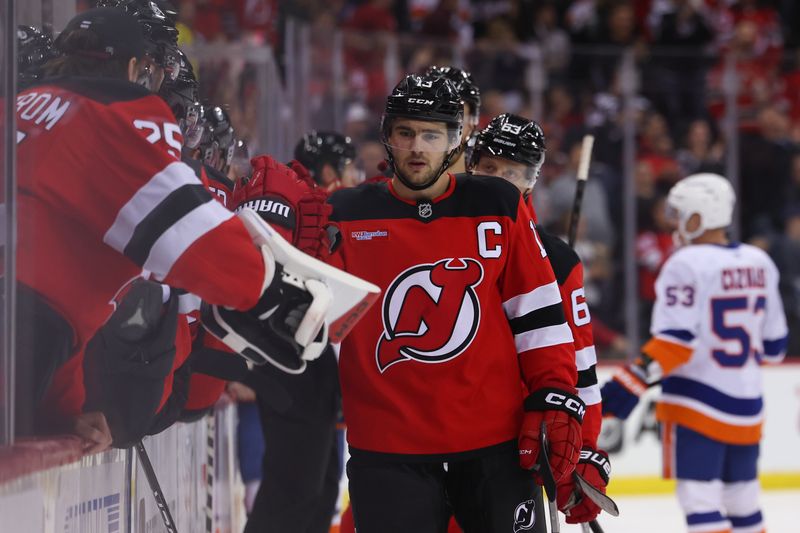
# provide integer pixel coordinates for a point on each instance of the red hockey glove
(289, 201)
(562, 413)
(595, 468)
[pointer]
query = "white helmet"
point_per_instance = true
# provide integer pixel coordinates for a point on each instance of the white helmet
(709, 195)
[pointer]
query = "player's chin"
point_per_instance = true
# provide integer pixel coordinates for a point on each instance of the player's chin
(418, 174)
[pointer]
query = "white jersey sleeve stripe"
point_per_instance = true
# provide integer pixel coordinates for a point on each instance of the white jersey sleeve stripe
(147, 198)
(590, 395)
(181, 235)
(543, 337)
(543, 296)
(585, 358)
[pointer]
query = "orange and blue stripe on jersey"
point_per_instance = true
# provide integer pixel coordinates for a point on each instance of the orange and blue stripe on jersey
(709, 411)
(671, 348)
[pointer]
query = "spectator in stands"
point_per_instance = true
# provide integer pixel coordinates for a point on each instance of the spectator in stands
(542, 27)
(785, 251)
(595, 205)
(678, 74)
(654, 244)
(765, 173)
(757, 72)
(701, 152)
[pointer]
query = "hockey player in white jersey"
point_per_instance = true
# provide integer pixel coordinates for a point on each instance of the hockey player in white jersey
(718, 317)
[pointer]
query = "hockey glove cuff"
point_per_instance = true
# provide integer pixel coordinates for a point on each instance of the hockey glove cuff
(595, 468)
(562, 413)
(621, 394)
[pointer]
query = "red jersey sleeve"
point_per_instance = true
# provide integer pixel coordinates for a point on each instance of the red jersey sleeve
(579, 320)
(151, 207)
(532, 303)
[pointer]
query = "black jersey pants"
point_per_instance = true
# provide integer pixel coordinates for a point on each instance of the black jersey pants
(300, 480)
(487, 494)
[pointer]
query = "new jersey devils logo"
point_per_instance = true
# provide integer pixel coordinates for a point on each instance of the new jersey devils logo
(430, 313)
(524, 516)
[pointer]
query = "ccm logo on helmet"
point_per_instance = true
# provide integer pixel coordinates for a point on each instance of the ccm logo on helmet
(420, 101)
(569, 403)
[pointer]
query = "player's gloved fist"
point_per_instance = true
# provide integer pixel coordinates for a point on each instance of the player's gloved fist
(289, 200)
(562, 413)
(595, 468)
(621, 393)
(285, 328)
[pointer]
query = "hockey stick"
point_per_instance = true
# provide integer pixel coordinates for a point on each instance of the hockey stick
(583, 175)
(549, 481)
(155, 487)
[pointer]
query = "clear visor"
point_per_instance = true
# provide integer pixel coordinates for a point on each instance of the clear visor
(419, 136)
(191, 126)
(672, 215)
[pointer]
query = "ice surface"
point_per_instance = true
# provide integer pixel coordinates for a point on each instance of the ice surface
(661, 514)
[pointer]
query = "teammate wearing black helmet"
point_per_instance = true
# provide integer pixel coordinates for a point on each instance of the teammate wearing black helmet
(437, 421)
(183, 97)
(513, 148)
(327, 155)
(471, 95)
(34, 49)
(161, 40)
(217, 140)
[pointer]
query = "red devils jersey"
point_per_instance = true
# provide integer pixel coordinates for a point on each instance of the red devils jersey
(435, 369)
(569, 274)
(103, 196)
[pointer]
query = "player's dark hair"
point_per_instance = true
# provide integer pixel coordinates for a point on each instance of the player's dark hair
(84, 65)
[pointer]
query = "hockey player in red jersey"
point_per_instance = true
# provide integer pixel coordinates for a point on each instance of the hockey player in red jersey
(470, 94)
(513, 148)
(104, 197)
(437, 422)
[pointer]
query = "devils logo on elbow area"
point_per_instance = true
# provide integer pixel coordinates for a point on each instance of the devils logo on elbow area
(430, 313)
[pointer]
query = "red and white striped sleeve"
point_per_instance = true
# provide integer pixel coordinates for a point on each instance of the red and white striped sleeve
(154, 209)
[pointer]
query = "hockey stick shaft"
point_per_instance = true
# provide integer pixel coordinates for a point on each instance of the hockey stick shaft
(548, 479)
(155, 487)
(583, 175)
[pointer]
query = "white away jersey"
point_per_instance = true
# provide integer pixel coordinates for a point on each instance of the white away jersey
(718, 316)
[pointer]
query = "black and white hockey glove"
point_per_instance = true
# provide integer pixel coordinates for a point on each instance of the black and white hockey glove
(285, 328)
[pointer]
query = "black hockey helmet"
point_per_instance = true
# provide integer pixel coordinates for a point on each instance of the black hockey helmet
(217, 140)
(427, 98)
(157, 20)
(318, 148)
(183, 97)
(514, 138)
(34, 49)
(464, 84)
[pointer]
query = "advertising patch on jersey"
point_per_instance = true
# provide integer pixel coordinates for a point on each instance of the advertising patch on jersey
(430, 313)
(272, 209)
(369, 235)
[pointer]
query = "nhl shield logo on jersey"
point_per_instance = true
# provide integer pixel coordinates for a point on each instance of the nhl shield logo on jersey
(430, 313)
(524, 516)
(425, 209)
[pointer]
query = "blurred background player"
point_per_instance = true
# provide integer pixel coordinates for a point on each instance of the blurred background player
(513, 148)
(437, 420)
(718, 316)
(328, 156)
(34, 49)
(471, 96)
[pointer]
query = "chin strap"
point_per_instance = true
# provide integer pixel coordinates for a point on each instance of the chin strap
(445, 165)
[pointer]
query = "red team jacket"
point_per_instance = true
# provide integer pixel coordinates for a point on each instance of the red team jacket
(102, 197)
(470, 304)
